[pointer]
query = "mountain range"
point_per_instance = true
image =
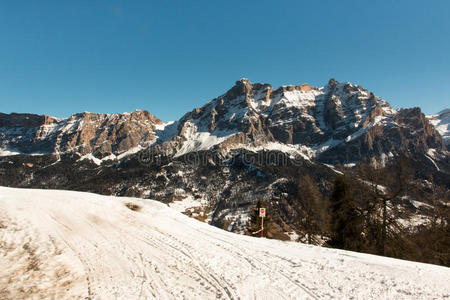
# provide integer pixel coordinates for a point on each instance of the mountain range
(254, 141)
(315, 122)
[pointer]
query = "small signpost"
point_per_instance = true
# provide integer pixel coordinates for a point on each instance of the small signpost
(262, 214)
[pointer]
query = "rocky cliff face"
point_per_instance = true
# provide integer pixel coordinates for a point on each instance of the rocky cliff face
(86, 133)
(337, 123)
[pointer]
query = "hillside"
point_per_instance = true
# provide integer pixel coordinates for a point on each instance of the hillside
(69, 244)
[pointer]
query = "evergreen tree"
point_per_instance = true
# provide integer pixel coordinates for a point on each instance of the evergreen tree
(346, 219)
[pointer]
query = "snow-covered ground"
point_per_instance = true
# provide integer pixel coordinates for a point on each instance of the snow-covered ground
(61, 244)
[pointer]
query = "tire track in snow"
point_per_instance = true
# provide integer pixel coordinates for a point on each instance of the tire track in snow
(170, 241)
(238, 252)
(261, 262)
(221, 282)
(217, 282)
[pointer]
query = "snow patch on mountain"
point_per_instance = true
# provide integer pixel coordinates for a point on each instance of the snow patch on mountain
(99, 161)
(197, 139)
(11, 152)
(187, 203)
(441, 121)
(166, 131)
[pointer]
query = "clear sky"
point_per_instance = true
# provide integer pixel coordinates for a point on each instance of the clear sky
(168, 57)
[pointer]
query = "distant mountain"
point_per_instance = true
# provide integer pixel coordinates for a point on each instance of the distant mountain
(441, 122)
(86, 133)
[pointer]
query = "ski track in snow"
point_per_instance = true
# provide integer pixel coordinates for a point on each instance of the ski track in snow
(72, 245)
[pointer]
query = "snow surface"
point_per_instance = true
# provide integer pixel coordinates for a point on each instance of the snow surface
(92, 158)
(186, 204)
(10, 152)
(61, 244)
(201, 140)
(166, 131)
(112, 156)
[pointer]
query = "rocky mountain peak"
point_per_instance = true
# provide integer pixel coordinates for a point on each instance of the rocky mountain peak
(243, 81)
(332, 83)
(240, 89)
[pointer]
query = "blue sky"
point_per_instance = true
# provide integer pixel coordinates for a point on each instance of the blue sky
(168, 57)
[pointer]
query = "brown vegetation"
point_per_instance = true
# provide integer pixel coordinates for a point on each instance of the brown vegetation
(133, 206)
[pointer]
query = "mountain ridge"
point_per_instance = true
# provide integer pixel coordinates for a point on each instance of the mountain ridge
(305, 119)
(87, 133)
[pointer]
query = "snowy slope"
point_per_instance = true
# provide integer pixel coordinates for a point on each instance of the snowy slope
(441, 122)
(60, 244)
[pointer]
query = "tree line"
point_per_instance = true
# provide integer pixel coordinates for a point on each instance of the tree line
(368, 211)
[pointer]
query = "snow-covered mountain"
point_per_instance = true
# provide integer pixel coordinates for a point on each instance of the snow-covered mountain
(60, 244)
(337, 123)
(441, 122)
(303, 117)
(97, 135)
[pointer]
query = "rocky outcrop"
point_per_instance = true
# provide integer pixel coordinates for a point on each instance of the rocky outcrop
(408, 132)
(14, 120)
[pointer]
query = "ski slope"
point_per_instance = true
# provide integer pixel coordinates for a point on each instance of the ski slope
(66, 245)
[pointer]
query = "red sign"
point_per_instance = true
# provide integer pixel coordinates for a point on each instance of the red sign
(262, 212)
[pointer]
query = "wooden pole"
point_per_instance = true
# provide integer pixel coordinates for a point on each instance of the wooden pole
(262, 226)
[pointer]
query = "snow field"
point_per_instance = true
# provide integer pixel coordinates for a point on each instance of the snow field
(65, 245)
